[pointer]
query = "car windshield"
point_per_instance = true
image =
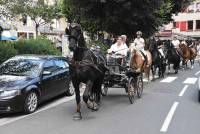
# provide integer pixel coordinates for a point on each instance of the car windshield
(21, 67)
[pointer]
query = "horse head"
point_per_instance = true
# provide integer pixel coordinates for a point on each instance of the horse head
(136, 60)
(183, 46)
(76, 39)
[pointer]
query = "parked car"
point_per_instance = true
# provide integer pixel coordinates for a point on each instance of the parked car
(28, 80)
(199, 89)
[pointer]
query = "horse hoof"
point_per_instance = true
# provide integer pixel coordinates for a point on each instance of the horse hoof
(77, 116)
(93, 106)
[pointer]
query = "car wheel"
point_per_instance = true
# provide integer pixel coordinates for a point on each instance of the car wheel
(31, 102)
(70, 89)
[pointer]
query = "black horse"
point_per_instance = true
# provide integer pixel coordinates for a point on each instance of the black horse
(85, 68)
(172, 56)
(157, 61)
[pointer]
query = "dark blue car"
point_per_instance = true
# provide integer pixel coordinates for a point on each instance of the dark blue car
(27, 80)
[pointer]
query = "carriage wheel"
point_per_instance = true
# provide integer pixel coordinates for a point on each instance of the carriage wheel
(131, 91)
(104, 90)
(139, 86)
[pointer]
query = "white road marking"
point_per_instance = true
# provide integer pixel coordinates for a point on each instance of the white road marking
(169, 117)
(197, 73)
(5, 121)
(190, 81)
(183, 90)
(169, 79)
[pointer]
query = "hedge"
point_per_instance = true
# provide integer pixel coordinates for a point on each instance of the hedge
(7, 51)
(33, 46)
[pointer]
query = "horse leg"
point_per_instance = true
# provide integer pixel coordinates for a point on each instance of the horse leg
(77, 115)
(192, 63)
(89, 95)
(148, 73)
(96, 93)
(168, 68)
(153, 72)
(87, 91)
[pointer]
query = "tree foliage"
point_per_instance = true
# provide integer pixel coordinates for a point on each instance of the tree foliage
(40, 11)
(123, 16)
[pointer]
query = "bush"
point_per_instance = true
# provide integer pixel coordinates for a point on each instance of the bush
(104, 47)
(6, 51)
(33, 46)
(36, 46)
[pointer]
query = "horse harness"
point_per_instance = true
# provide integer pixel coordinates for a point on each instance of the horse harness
(90, 62)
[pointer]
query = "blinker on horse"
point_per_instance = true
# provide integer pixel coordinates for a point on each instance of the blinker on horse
(84, 68)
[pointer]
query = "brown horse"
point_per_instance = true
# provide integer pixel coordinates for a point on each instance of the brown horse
(188, 54)
(138, 64)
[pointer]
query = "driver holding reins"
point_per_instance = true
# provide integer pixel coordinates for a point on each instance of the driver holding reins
(118, 50)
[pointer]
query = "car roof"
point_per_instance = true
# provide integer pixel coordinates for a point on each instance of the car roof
(39, 57)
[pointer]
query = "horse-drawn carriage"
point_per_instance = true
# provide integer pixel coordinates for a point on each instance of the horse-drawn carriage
(122, 76)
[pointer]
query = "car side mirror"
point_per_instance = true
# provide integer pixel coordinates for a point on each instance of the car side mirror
(46, 73)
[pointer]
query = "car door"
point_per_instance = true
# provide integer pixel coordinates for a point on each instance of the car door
(62, 72)
(48, 80)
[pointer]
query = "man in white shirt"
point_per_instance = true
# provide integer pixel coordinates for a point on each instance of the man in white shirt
(176, 43)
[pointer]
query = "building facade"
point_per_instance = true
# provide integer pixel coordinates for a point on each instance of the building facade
(185, 23)
(28, 30)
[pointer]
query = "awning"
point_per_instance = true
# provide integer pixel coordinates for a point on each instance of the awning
(8, 38)
(7, 35)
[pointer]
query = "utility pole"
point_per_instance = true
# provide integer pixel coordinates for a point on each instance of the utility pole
(1, 30)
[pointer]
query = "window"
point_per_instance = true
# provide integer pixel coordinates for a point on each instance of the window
(198, 7)
(174, 24)
(22, 35)
(191, 8)
(31, 35)
(190, 25)
(49, 66)
(197, 24)
(60, 64)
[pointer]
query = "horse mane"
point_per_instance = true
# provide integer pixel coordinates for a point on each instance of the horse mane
(79, 52)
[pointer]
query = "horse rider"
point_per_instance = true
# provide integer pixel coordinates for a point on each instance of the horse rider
(139, 43)
(159, 45)
(184, 41)
(99, 54)
(117, 51)
(176, 43)
(189, 42)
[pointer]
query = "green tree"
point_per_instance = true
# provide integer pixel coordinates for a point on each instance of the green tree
(40, 12)
(123, 16)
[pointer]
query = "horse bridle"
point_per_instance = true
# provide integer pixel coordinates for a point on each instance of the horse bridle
(76, 38)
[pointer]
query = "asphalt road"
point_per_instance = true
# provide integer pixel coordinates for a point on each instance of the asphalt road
(168, 106)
